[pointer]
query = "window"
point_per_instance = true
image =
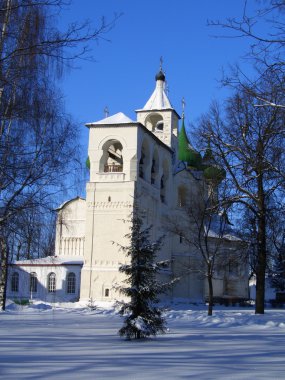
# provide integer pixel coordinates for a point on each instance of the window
(109, 199)
(233, 268)
(33, 283)
(159, 126)
(71, 280)
(181, 196)
(141, 165)
(51, 283)
(112, 157)
(180, 238)
(162, 189)
(15, 282)
(107, 293)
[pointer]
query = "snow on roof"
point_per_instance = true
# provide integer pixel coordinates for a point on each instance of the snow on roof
(217, 228)
(52, 260)
(158, 99)
(65, 203)
(118, 118)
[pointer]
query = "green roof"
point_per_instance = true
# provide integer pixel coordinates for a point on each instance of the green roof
(186, 152)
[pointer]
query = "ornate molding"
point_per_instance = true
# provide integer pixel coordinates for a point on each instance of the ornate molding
(109, 205)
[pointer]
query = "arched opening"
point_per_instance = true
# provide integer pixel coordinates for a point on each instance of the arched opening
(159, 126)
(107, 293)
(112, 158)
(15, 282)
(181, 196)
(154, 122)
(71, 282)
(164, 183)
(154, 168)
(144, 161)
(33, 283)
(51, 283)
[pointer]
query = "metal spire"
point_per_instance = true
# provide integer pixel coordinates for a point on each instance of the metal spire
(161, 62)
(183, 107)
(106, 111)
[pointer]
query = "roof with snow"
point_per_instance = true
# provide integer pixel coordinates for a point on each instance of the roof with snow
(51, 260)
(118, 118)
(158, 99)
(220, 229)
(65, 203)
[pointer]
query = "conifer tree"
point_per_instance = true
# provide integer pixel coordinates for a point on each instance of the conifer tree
(278, 275)
(142, 315)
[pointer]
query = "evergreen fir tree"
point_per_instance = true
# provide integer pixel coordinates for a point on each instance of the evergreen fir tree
(278, 273)
(142, 315)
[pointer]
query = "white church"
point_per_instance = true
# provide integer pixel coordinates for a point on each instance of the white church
(149, 159)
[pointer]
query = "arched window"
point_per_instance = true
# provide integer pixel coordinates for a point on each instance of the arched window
(107, 293)
(51, 283)
(141, 165)
(154, 122)
(71, 282)
(164, 182)
(112, 158)
(181, 196)
(154, 168)
(144, 161)
(162, 189)
(159, 126)
(15, 282)
(33, 283)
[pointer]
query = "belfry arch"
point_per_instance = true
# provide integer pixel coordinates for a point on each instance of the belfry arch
(154, 122)
(112, 157)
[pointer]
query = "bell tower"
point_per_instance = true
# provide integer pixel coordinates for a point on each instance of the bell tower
(158, 115)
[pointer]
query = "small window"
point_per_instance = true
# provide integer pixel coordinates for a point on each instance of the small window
(159, 126)
(180, 238)
(71, 281)
(181, 197)
(107, 293)
(51, 283)
(233, 268)
(33, 283)
(109, 199)
(15, 282)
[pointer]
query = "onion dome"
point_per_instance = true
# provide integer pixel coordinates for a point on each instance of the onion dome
(212, 171)
(87, 163)
(160, 76)
(215, 173)
(208, 158)
(186, 152)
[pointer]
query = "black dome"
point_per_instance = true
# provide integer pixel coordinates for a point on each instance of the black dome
(160, 76)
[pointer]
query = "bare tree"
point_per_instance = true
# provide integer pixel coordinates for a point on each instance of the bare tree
(203, 227)
(265, 29)
(38, 140)
(249, 141)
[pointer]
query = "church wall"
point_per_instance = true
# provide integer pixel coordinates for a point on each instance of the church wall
(109, 197)
(70, 228)
(42, 272)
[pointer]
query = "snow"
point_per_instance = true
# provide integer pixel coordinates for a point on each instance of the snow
(118, 118)
(158, 99)
(60, 341)
(52, 260)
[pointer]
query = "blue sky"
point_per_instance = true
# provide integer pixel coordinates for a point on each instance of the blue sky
(122, 77)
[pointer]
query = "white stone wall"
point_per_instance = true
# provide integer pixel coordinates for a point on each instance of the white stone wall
(42, 272)
(70, 228)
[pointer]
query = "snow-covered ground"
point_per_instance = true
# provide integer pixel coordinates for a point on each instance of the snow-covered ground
(70, 341)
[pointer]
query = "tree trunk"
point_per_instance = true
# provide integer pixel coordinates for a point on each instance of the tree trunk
(261, 250)
(261, 267)
(211, 295)
(3, 273)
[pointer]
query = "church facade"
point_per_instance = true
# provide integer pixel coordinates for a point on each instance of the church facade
(151, 162)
